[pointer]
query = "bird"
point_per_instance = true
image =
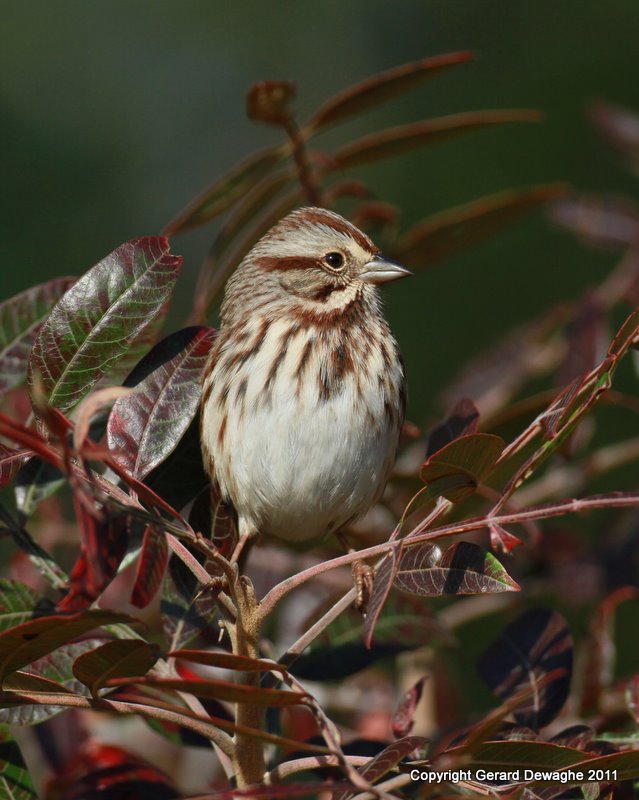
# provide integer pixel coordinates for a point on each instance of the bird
(304, 391)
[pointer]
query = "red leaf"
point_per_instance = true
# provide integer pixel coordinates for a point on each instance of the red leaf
(463, 568)
(379, 88)
(403, 138)
(146, 426)
(10, 462)
(403, 717)
(122, 658)
(154, 557)
(500, 539)
(463, 419)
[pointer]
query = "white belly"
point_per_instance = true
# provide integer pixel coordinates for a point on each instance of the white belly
(296, 466)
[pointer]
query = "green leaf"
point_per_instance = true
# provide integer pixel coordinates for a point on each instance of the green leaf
(123, 658)
(403, 138)
(437, 237)
(15, 780)
(226, 191)
(25, 643)
(381, 87)
(100, 318)
(36, 480)
(20, 319)
(18, 603)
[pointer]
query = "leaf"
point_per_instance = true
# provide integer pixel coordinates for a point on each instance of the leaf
(25, 643)
(35, 481)
(403, 138)
(122, 658)
(57, 667)
(103, 545)
(536, 643)
(632, 697)
(154, 556)
(608, 222)
(100, 318)
(20, 319)
(404, 714)
(381, 87)
(382, 584)
(180, 478)
(221, 690)
(455, 471)
(187, 608)
(10, 463)
(15, 780)
(145, 427)
(463, 568)
(620, 128)
(226, 191)
(501, 540)
(463, 419)
(18, 603)
(440, 235)
(227, 661)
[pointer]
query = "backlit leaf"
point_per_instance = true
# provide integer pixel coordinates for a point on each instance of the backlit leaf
(403, 138)
(535, 644)
(10, 463)
(463, 568)
(226, 190)
(458, 468)
(25, 643)
(187, 608)
(154, 556)
(15, 780)
(436, 237)
(122, 658)
(383, 86)
(146, 426)
(20, 319)
(98, 320)
(404, 714)
(18, 603)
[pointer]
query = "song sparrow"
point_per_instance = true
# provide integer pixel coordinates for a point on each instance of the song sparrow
(304, 393)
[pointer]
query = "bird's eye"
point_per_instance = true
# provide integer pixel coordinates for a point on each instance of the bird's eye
(334, 260)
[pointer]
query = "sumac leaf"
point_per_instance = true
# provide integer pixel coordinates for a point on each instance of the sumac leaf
(20, 319)
(403, 716)
(460, 467)
(226, 191)
(620, 128)
(535, 644)
(10, 463)
(122, 658)
(55, 667)
(154, 556)
(403, 138)
(15, 780)
(607, 222)
(501, 540)
(388, 759)
(98, 320)
(186, 608)
(25, 643)
(463, 568)
(227, 661)
(463, 419)
(221, 690)
(18, 603)
(146, 426)
(383, 86)
(437, 237)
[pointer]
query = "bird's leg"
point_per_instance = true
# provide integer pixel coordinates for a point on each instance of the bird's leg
(363, 575)
(246, 532)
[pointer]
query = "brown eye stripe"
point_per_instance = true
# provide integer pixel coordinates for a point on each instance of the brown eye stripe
(272, 264)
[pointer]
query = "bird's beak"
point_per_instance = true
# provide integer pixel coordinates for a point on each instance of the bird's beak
(382, 270)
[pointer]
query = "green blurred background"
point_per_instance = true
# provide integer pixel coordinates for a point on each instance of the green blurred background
(115, 114)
